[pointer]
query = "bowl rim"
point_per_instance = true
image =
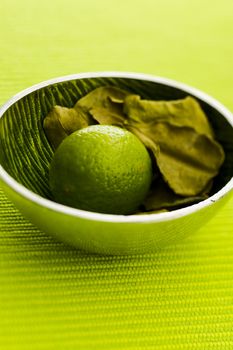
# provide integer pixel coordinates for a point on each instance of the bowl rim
(93, 216)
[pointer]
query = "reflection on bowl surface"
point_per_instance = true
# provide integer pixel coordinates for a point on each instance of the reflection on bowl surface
(25, 156)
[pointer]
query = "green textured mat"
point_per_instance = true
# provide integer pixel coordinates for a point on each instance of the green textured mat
(55, 297)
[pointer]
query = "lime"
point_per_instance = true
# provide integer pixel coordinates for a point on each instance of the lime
(101, 168)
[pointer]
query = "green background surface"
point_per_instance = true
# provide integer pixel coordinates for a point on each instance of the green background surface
(55, 297)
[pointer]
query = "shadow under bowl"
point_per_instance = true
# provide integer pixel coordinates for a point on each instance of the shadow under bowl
(25, 156)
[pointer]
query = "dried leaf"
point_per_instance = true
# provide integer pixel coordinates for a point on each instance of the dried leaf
(108, 97)
(53, 128)
(184, 112)
(156, 211)
(104, 116)
(62, 121)
(161, 197)
(105, 104)
(187, 160)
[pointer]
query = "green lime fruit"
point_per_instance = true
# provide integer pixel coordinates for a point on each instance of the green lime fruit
(101, 168)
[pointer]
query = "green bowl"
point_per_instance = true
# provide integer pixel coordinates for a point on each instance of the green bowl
(25, 155)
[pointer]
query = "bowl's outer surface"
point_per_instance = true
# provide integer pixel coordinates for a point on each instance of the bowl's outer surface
(26, 154)
(111, 237)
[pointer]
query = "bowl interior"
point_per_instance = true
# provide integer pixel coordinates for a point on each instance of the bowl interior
(24, 149)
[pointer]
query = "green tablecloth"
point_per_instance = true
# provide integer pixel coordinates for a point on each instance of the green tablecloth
(55, 297)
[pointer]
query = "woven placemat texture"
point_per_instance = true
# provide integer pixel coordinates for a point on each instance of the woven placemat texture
(55, 297)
